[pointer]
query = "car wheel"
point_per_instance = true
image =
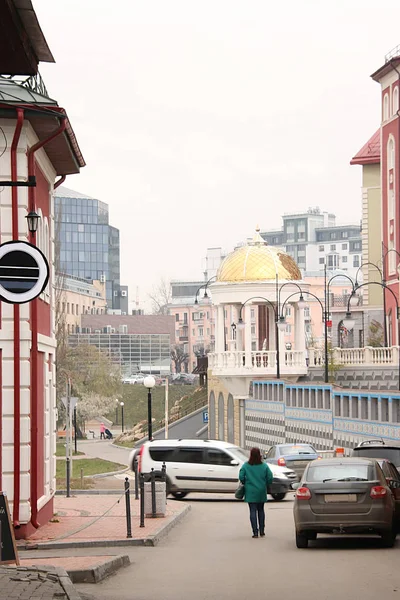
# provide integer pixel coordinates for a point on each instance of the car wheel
(301, 540)
(388, 538)
(278, 497)
(179, 495)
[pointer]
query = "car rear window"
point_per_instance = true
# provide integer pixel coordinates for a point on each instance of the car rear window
(323, 473)
(297, 449)
(392, 454)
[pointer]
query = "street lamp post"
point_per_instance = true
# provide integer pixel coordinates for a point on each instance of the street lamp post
(116, 411)
(149, 382)
(75, 435)
(122, 416)
(206, 297)
(349, 322)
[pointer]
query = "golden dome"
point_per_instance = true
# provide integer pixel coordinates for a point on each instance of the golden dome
(256, 261)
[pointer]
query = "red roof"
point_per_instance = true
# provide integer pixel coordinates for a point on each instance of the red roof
(390, 65)
(138, 324)
(370, 153)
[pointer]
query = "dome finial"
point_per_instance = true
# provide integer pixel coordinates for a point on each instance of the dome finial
(257, 239)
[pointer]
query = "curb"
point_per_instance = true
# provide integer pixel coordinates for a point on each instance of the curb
(110, 474)
(151, 540)
(89, 492)
(100, 572)
(67, 584)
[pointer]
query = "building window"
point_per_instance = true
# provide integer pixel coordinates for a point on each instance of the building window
(345, 234)
(176, 317)
(321, 248)
(390, 152)
(208, 331)
(322, 261)
(193, 332)
(77, 310)
(253, 314)
(344, 246)
(333, 261)
(344, 259)
(201, 331)
(307, 312)
(253, 330)
(332, 235)
(386, 107)
(333, 247)
(288, 311)
(68, 308)
(288, 329)
(395, 100)
(356, 261)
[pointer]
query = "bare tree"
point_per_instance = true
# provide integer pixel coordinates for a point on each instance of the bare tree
(160, 297)
(179, 357)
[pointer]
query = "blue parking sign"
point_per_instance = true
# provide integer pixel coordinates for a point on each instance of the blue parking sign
(205, 416)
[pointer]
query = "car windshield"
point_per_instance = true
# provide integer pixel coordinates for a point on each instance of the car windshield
(392, 454)
(238, 453)
(350, 472)
(297, 449)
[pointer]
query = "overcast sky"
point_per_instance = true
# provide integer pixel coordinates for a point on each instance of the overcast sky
(200, 120)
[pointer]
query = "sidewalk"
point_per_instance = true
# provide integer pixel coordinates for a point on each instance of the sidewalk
(43, 583)
(99, 520)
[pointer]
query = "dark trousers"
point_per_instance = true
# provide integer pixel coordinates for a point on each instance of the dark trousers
(257, 510)
(102, 436)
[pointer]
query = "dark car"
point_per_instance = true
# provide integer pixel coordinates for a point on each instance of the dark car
(344, 496)
(392, 477)
(378, 448)
(292, 456)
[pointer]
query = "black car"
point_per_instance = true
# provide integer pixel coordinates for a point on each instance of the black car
(378, 448)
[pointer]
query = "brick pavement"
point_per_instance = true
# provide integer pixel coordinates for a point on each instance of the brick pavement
(26, 583)
(97, 518)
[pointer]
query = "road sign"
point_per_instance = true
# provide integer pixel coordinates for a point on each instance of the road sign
(329, 323)
(8, 548)
(72, 401)
(24, 272)
(205, 416)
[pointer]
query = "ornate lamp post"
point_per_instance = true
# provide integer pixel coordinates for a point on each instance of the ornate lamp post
(122, 416)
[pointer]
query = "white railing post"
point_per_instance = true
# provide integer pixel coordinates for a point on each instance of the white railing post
(368, 355)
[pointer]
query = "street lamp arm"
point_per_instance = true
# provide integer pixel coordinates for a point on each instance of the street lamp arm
(257, 298)
(205, 286)
(371, 264)
(285, 284)
(301, 292)
(343, 275)
(381, 284)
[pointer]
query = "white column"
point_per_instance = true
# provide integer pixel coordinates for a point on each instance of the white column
(220, 329)
(247, 334)
(300, 331)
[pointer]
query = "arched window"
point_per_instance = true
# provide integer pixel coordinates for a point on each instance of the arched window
(211, 416)
(395, 100)
(390, 153)
(221, 417)
(386, 107)
(231, 420)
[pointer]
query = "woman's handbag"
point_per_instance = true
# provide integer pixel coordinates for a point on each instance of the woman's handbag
(239, 494)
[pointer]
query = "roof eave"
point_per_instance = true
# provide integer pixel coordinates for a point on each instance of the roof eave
(386, 68)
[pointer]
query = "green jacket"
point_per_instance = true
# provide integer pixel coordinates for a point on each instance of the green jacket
(255, 478)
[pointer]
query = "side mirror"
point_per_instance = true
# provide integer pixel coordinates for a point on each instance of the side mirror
(234, 463)
(295, 486)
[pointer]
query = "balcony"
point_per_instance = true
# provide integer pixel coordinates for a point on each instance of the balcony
(355, 357)
(183, 338)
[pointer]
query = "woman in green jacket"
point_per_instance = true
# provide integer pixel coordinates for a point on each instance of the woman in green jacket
(256, 476)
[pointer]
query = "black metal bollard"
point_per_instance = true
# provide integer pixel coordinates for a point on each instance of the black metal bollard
(128, 508)
(164, 472)
(68, 475)
(153, 494)
(141, 478)
(136, 471)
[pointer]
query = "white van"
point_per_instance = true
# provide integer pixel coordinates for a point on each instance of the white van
(203, 466)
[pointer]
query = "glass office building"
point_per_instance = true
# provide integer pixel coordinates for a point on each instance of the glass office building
(89, 246)
(132, 353)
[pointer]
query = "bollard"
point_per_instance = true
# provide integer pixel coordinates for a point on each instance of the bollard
(128, 509)
(68, 467)
(164, 472)
(136, 471)
(141, 477)
(153, 494)
(81, 479)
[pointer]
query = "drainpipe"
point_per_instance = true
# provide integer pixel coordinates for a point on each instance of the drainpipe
(16, 315)
(34, 330)
(60, 181)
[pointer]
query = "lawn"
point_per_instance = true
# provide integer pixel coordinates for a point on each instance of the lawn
(90, 466)
(61, 450)
(135, 402)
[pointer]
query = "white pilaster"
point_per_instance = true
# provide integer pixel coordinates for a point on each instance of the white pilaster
(247, 333)
(300, 332)
(220, 329)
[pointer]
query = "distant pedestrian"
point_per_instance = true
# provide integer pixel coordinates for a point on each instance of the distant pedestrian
(256, 476)
(102, 431)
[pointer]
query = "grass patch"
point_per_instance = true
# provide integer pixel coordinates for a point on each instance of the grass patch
(90, 466)
(60, 450)
(75, 483)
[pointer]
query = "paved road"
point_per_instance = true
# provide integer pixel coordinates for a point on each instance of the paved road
(104, 449)
(211, 555)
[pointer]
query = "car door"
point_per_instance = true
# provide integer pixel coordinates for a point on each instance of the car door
(222, 470)
(393, 479)
(189, 471)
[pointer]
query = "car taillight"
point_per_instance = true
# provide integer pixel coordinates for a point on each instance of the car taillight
(378, 491)
(303, 493)
(281, 462)
(140, 459)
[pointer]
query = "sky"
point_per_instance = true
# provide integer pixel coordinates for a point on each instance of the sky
(199, 121)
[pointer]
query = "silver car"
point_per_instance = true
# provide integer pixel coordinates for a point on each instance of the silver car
(343, 495)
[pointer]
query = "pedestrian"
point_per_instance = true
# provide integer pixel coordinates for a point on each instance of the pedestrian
(256, 475)
(102, 431)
